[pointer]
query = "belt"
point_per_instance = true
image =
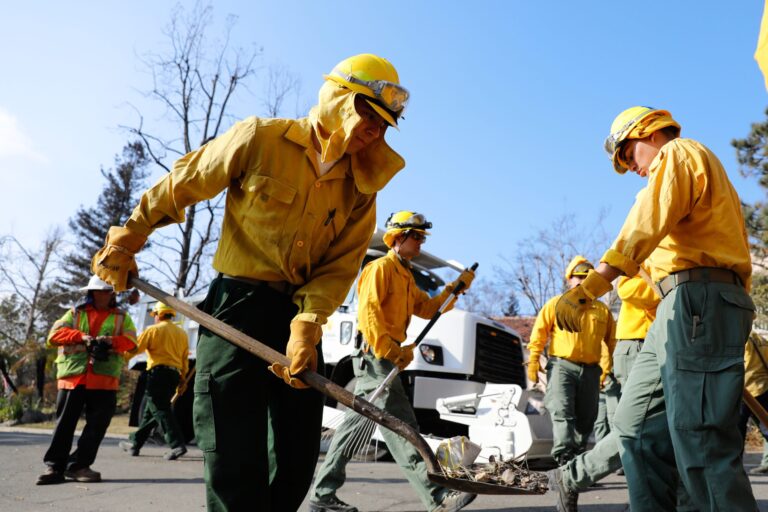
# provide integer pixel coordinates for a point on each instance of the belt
(164, 367)
(283, 287)
(583, 365)
(639, 340)
(705, 274)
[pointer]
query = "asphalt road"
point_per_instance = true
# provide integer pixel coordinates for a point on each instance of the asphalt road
(149, 483)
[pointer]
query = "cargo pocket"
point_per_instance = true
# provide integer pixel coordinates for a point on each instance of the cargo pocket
(706, 391)
(202, 413)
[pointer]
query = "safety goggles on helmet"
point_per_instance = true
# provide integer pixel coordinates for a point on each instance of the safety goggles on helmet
(582, 269)
(619, 135)
(392, 96)
(415, 221)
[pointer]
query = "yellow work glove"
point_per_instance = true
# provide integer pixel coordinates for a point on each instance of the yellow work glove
(301, 351)
(573, 303)
(115, 261)
(466, 277)
(405, 357)
(533, 370)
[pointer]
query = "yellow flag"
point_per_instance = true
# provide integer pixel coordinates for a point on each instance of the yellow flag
(761, 54)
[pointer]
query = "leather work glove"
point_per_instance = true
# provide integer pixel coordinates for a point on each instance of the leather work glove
(301, 351)
(115, 261)
(405, 357)
(572, 304)
(466, 277)
(533, 370)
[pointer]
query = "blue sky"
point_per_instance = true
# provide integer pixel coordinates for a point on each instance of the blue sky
(511, 100)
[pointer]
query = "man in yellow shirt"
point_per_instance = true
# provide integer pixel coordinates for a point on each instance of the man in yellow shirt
(573, 369)
(756, 383)
(300, 210)
(167, 350)
(638, 310)
(387, 298)
(687, 223)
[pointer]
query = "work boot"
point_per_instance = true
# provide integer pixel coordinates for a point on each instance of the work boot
(85, 474)
(129, 447)
(175, 453)
(51, 476)
(565, 500)
(455, 500)
(332, 504)
(759, 470)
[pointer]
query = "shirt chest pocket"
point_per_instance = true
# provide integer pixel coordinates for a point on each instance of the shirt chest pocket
(269, 204)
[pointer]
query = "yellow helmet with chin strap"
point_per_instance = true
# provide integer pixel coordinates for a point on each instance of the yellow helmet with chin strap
(579, 266)
(375, 78)
(634, 123)
(403, 221)
(160, 309)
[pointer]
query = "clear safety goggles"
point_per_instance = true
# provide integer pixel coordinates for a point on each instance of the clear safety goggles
(615, 140)
(392, 96)
(415, 221)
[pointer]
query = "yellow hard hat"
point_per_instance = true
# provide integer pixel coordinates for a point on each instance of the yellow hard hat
(160, 309)
(634, 123)
(579, 266)
(402, 221)
(376, 78)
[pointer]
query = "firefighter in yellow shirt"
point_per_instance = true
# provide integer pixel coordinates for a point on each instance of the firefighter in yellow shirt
(167, 349)
(756, 383)
(387, 298)
(300, 210)
(573, 369)
(687, 223)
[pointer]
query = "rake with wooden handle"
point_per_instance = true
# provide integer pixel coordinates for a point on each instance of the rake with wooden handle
(328, 388)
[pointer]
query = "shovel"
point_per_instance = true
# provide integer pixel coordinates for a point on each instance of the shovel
(328, 388)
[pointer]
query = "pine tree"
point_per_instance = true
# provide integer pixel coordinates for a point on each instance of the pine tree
(89, 226)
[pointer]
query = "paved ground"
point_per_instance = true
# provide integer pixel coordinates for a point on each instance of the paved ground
(149, 483)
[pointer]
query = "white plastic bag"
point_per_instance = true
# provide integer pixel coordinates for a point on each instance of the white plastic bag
(457, 451)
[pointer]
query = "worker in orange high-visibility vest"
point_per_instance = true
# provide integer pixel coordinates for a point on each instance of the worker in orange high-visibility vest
(91, 339)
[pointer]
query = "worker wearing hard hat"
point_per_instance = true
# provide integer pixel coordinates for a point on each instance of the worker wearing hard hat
(91, 338)
(387, 298)
(167, 349)
(573, 367)
(299, 214)
(688, 223)
(638, 310)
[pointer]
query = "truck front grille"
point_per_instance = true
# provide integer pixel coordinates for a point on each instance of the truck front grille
(498, 357)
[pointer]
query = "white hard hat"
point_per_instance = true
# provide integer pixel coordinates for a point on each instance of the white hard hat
(95, 283)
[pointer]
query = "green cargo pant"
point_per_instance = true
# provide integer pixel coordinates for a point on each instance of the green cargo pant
(161, 385)
(679, 409)
(606, 407)
(260, 437)
(332, 473)
(571, 399)
(587, 468)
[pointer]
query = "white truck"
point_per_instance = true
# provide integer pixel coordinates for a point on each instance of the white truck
(461, 353)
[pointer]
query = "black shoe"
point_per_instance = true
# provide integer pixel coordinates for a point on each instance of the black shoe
(455, 501)
(51, 476)
(620, 471)
(332, 504)
(85, 474)
(129, 447)
(565, 500)
(175, 453)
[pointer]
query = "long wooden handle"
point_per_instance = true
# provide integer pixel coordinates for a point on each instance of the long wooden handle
(755, 407)
(313, 379)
